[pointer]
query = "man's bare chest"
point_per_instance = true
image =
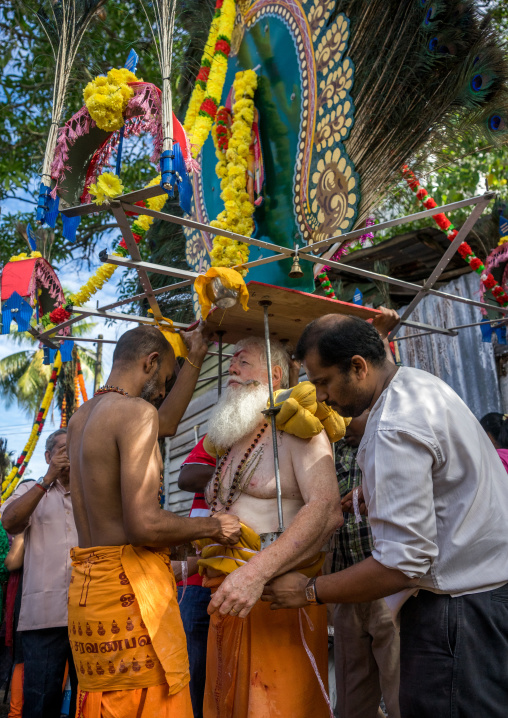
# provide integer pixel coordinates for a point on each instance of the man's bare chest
(254, 474)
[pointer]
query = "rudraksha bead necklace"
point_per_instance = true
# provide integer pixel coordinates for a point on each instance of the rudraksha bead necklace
(106, 389)
(235, 484)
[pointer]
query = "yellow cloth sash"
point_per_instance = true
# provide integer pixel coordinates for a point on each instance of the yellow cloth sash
(227, 559)
(125, 628)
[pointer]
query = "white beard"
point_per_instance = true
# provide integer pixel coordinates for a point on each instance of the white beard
(237, 414)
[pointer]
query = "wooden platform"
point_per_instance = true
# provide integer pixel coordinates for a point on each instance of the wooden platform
(289, 313)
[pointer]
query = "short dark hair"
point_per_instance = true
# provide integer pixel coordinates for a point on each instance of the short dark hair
(141, 342)
(51, 440)
(496, 424)
(339, 339)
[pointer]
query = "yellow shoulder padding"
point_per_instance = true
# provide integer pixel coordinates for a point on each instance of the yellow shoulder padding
(303, 416)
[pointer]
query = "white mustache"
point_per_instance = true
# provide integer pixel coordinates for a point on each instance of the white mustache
(244, 383)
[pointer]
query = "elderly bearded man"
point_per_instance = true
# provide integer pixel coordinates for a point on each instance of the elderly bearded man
(258, 662)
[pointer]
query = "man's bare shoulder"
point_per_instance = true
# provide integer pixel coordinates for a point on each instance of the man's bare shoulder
(320, 442)
(114, 410)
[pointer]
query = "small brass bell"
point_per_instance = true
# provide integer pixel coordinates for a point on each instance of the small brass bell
(296, 271)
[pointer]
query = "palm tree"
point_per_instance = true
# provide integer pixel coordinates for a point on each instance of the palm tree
(5, 459)
(23, 376)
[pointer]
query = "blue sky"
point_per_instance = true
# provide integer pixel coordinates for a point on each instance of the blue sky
(15, 425)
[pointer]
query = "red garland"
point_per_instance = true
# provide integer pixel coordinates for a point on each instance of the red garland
(490, 281)
(203, 73)
(59, 315)
(223, 46)
(476, 263)
(464, 249)
(209, 107)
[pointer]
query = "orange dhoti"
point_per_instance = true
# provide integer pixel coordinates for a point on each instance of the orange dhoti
(126, 634)
(258, 667)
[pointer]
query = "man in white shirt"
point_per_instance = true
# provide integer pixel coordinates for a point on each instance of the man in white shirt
(437, 498)
(43, 511)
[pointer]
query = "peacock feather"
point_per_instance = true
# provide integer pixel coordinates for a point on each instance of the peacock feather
(426, 74)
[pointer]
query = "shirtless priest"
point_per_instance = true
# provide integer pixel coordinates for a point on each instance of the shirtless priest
(261, 663)
(125, 628)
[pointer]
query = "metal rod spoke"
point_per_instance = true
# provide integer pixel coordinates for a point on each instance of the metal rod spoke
(133, 248)
(272, 412)
(149, 267)
(443, 262)
(355, 233)
(86, 339)
(138, 297)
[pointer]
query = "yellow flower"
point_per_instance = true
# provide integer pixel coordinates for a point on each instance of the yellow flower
(106, 98)
(144, 221)
(24, 255)
(108, 185)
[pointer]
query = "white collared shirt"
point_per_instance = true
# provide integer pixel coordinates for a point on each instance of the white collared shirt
(47, 566)
(435, 488)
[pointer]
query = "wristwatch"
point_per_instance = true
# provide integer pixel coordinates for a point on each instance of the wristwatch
(40, 482)
(310, 592)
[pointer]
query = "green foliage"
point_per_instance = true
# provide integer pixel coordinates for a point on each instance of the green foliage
(23, 376)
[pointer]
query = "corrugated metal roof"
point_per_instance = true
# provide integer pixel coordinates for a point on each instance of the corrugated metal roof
(464, 362)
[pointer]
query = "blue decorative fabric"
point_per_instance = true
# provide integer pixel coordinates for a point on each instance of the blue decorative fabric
(17, 309)
(487, 332)
(32, 240)
(132, 61)
(49, 355)
(66, 350)
(70, 225)
(47, 207)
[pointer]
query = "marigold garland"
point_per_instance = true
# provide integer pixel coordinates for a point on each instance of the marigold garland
(198, 93)
(76, 387)
(24, 255)
(63, 417)
(464, 249)
(232, 169)
(19, 467)
(199, 129)
(106, 98)
(81, 380)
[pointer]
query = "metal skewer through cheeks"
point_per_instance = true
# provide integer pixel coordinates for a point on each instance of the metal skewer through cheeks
(272, 411)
